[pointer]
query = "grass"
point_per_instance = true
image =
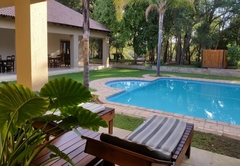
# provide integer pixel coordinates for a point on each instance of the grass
(127, 122)
(105, 73)
(116, 72)
(206, 141)
(217, 144)
(211, 77)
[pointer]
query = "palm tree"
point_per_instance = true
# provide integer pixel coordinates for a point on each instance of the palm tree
(86, 33)
(161, 6)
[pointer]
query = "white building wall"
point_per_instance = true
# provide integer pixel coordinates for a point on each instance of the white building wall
(7, 42)
(54, 43)
(56, 33)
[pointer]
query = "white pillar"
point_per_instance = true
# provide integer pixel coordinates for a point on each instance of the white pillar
(31, 43)
(74, 51)
(105, 52)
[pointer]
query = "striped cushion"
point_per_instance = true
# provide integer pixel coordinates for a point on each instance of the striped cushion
(134, 147)
(160, 134)
(93, 107)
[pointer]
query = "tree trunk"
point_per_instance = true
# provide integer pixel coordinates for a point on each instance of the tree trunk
(171, 52)
(165, 57)
(86, 33)
(160, 26)
(135, 57)
(186, 45)
(152, 56)
(178, 47)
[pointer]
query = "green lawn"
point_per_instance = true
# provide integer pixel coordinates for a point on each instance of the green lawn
(127, 122)
(116, 72)
(105, 73)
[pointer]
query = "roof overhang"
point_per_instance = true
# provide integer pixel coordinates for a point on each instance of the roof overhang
(57, 14)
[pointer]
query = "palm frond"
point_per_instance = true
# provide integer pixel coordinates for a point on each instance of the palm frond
(149, 9)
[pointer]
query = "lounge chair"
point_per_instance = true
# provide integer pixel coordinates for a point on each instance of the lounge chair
(71, 143)
(105, 112)
(158, 141)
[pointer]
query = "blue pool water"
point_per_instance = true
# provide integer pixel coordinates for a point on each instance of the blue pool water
(214, 101)
(127, 85)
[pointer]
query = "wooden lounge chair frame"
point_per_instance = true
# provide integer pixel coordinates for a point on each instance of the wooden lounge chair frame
(107, 115)
(73, 145)
(124, 157)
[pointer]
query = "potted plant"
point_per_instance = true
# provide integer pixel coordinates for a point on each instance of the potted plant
(21, 109)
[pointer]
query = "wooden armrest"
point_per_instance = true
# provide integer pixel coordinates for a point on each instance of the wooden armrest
(50, 128)
(118, 155)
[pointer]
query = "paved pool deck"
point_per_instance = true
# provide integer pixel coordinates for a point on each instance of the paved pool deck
(200, 124)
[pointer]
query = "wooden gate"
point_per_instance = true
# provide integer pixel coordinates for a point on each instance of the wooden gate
(214, 59)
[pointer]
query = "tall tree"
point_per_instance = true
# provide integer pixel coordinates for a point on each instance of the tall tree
(86, 34)
(77, 5)
(105, 13)
(184, 21)
(214, 18)
(73, 4)
(161, 6)
(141, 36)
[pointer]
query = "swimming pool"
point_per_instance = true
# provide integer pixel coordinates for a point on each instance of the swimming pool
(127, 85)
(208, 100)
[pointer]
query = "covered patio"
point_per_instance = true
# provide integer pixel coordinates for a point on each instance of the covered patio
(52, 71)
(33, 30)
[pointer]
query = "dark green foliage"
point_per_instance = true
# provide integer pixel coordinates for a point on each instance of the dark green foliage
(15, 100)
(105, 13)
(73, 4)
(20, 108)
(77, 4)
(65, 92)
(143, 32)
(212, 25)
(233, 54)
(198, 64)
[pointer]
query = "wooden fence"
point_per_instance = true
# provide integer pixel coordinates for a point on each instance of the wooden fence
(214, 59)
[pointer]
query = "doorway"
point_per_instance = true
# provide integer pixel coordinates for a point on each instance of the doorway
(65, 52)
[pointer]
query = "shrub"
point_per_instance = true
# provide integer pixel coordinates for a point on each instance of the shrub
(238, 64)
(233, 55)
(198, 64)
